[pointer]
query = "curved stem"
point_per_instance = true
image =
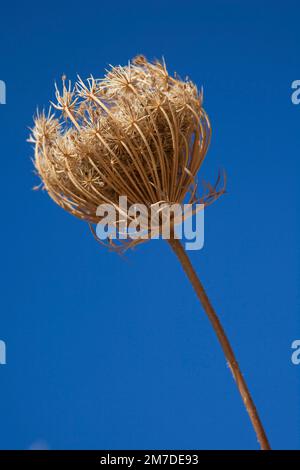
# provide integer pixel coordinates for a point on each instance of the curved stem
(229, 354)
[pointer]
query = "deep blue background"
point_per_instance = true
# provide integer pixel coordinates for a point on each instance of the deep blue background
(107, 353)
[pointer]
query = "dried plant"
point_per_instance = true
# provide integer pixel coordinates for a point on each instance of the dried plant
(137, 132)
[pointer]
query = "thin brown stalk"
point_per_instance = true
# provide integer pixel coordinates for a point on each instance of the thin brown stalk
(224, 342)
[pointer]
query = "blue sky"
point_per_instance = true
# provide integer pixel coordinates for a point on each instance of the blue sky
(107, 353)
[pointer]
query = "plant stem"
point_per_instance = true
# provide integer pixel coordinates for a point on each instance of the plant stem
(229, 354)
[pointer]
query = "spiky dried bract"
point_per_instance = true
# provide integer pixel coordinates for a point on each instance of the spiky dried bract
(137, 132)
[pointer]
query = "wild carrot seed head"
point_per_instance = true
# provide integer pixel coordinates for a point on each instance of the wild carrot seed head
(137, 132)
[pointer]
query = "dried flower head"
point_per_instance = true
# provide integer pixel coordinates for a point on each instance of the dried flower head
(137, 132)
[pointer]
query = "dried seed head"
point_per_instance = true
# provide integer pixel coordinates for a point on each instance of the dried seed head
(137, 132)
